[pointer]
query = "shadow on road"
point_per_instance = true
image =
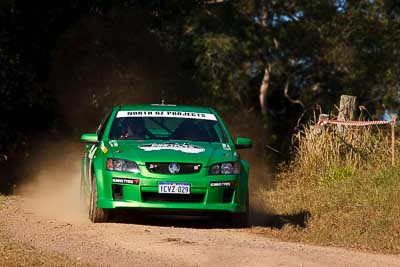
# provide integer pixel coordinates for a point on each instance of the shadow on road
(278, 221)
(210, 221)
(182, 221)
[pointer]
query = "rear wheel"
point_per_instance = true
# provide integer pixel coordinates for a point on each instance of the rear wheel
(96, 215)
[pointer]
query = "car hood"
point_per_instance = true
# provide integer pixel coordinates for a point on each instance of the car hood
(171, 151)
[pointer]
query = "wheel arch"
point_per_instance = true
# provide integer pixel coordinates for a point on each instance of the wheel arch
(97, 169)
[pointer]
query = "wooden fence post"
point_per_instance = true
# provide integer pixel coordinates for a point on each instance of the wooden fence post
(347, 109)
(392, 125)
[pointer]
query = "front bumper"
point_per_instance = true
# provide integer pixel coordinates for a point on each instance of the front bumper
(145, 195)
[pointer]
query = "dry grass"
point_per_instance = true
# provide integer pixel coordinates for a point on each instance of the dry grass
(324, 156)
(346, 184)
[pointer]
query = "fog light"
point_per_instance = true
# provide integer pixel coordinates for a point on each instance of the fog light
(117, 192)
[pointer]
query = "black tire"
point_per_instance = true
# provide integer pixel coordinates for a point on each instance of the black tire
(96, 215)
(241, 220)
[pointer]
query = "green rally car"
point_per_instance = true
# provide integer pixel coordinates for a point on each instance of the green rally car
(164, 158)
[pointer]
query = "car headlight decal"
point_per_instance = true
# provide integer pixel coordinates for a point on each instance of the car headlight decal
(122, 165)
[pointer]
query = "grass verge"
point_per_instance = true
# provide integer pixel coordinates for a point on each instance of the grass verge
(346, 186)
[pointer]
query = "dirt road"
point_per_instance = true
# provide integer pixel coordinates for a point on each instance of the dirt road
(160, 241)
(45, 226)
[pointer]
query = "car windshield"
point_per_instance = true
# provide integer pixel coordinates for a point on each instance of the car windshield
(167, 128)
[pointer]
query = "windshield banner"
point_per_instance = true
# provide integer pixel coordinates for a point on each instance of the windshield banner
(171, 114)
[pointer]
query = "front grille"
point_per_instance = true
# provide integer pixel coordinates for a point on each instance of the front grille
(156, 197)
(162, 167)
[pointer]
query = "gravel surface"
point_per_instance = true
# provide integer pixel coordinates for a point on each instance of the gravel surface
(157, 241)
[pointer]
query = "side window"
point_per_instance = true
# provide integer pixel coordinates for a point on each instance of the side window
(102, 126)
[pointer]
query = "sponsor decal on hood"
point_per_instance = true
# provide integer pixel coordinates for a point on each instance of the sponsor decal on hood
(185, 148)
(226, 147)
(113, 143)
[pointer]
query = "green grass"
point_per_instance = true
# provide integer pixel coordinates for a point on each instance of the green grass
(348, 187)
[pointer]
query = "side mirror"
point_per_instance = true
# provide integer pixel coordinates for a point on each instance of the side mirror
(243, 142)
(90, 138)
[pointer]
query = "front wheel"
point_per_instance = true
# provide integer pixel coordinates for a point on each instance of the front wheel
(84, 198)
(241, 220)
(96, 215)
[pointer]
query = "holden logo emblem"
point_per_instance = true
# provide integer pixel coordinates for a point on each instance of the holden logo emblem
(174, 168)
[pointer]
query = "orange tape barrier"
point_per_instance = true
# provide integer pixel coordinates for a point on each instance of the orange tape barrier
(352, 123)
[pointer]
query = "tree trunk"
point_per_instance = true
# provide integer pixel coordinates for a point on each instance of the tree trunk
(264, 15)
(267, 72)
(347, 109)
(264, 89)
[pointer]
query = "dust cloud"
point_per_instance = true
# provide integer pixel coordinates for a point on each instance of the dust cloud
(260, 180)
(101, 62)
(52, 185)
(262, 172)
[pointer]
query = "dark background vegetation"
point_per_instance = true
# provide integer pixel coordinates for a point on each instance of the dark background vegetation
(63, 64)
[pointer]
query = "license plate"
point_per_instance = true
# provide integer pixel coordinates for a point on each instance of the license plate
(173, 188)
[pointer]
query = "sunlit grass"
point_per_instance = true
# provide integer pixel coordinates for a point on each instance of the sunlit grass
(348, 186)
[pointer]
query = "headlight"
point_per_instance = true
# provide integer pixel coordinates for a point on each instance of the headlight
(215, 169)
(225, 168)
(122, 165)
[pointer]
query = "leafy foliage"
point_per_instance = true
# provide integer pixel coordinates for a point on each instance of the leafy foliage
(314, 51)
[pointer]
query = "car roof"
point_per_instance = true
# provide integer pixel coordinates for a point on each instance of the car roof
(164, 107)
